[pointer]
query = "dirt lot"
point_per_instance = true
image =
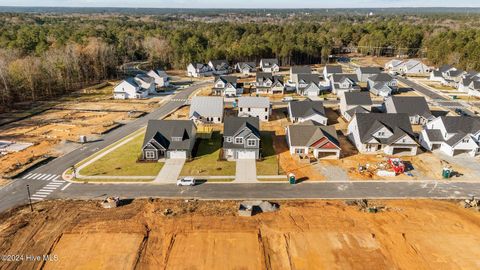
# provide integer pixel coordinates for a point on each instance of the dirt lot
(87, 112)
(209, 235)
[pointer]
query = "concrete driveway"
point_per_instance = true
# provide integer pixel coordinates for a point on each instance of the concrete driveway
(170, 171)
(246, 171)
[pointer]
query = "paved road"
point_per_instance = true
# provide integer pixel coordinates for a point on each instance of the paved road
(41, 177)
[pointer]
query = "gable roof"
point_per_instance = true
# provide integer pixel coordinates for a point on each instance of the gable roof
(381, 77)
(306, 108)
(233, 124)
(437, 73)
(301, 69)
(219, 64)
(145, 78)
(355, 110)
(410, 105)
(249, 65)
(306, 134)
(309, 78)
(357, 98)
(207, 106)
(466, 124)
(339, 77)
(397, 123)
(412, 63)
(227, 79)
(268, 62)
(253, 102)
(445, 68)
(197, 65)
(162, 131)
(263, 76)
(369, 70)
(333, 69)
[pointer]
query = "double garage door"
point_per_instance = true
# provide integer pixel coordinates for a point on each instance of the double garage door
(178, 154)
(245, 154)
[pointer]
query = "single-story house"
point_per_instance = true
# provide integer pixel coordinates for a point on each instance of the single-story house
(305, 110)
(227, 86)
(309, 140)
(269, 65)
(199, 70)
(363, 73)
(219, 67)
(416, 107)
(246, 68)
(254, 107)
(206, 109)
(331, 69)
(452, 135)
(160, 76)
(168, 139)
(267, 83)
(241, 138)
(355, 102)
(390, 133)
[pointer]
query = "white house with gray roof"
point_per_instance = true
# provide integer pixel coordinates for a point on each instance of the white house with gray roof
(329, 70)
(199, 70)
(267, 83)
(219, 67)
(206, 109)
(382, 84)
(246, 68)
(269, 65)
(363, 73)
(132, 88)
(241, 138)
(416, 107)
(308, 85)
(389, 133)
(414, 67)
(258, 107)
(307, 110)
(393, 66)
(160, 76)
(355, 102)
(344, 82)
(227, 86)
(169, 139)
(307, 139)
(295, 70)
(452, 135)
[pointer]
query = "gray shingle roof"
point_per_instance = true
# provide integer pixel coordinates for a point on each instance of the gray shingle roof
(219, 64)
(334, 69)
(232, 125)
(268, 62)
(306, 135)
(342, 76)
(306, 108)
(434, 135)
(263, 76)
(355, 110)
(358, 98)
(382, 77)
(249, 65)
(162, 132)
(370, 70)
(253, 102)
(397, 123)
(301, 69)
(466, 124)
(444, 68)
(207, 106)
(411, 106)
(227, 79)
(309, 78)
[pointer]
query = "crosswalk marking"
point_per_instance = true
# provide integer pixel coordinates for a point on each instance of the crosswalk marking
(43, 193)
(51, 177)
(39, 195)
(45, 190)
(42, 177)
(45, 177)
(36, 198)
(52, 188)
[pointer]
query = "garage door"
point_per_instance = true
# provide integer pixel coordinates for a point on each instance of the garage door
(178, 154)
(402, 151)
(246, 155)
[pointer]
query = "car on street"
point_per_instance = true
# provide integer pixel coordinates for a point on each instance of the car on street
(186, 181)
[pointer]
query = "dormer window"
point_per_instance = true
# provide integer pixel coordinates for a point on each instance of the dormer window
(465, 140)
(381, 133)
(239, 140)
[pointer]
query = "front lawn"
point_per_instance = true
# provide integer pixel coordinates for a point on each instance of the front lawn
(123, 162)
(269, 164)
(206, 160)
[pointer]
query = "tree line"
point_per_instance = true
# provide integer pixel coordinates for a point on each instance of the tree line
(44, 56)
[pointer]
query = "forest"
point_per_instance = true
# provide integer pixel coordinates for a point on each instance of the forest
(46, 55)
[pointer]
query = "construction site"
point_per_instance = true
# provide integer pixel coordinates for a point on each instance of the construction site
(191, 234)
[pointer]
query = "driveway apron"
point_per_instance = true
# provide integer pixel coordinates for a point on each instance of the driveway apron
(246, 171)
(170, 171)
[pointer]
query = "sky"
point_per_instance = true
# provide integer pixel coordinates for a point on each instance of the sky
(243, 3)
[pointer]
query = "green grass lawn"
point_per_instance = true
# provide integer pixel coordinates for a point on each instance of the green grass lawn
(206, 159)
(123, 161)
(269, 165)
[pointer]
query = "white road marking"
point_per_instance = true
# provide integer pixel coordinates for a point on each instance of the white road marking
(66, 186)
(52, 188)
(35, 176)
(53, 185)
(43, 193)
(58, 181)
(45, 190)
(44, 177)
(28, 175)
(37, 199)
(39, 195)
(52, 177)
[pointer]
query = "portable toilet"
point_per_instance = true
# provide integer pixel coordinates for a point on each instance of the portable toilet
(291, 179)
(446, 172)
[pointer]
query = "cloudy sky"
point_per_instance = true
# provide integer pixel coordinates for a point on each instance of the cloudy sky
(244, 3)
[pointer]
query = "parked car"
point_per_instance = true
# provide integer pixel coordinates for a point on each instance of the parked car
(186, 181)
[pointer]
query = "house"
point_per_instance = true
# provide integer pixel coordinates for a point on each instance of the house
(355, 102)
(168, 139)
(206, 109)
(474, 88)
(227, 86)
(393, 66)
(363, 73)
(331, 69)
(129, 89)
(453, 77)
(269, 65)
(382, 84)
(160, 76)
(437, 76)
(390, 133)
(308, 84)
(295, 70)
(414, 67)
(219, 67)
(416, 107)
(452, 135)
(466, 82)
(199, 70)
(309, 140)
(146, 82)
(241, 138)
(267, 83)
(343, 82)
(254, 107)
(246, 68)
(305, 110)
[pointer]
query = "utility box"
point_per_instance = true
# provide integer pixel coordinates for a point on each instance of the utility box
(291, 179)
(83, 139)
(446, 173)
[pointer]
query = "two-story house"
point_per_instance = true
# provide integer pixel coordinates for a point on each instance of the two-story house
(344, 82)
(363, 73)
(227, 86)
(172, 139)
(246, 68)
(295, 70)
(329, 70)
(130, 88)
(389, 133)
(307, 139)
(416, 107)
(219, 67)
(382, 84)
(267, 83)
(206, 109)
(269, 65)
(308, 84)
(452, 135)
(199, 70)
(307, 110)
(258, 107)
(241, 138)
(160, 76)
(352, 103)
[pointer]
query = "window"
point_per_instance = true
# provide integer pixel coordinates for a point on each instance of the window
(298, 151)
(266, 117)
(239, 140)
(465, 140)
(229, 139)
(249, 109)
(381, 133)
(251, 142)
(149, 154)
(266, 109)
